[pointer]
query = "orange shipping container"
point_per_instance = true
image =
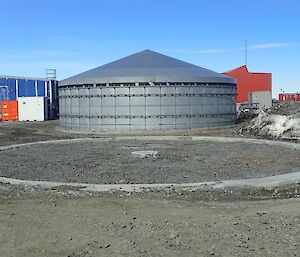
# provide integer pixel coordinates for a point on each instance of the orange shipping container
(10, 110)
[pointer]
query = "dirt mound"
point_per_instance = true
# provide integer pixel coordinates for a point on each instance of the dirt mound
(282, 120)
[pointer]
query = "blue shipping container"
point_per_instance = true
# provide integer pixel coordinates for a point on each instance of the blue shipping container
(13, 87)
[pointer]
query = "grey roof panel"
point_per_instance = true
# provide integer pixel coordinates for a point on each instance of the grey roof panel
(147, 66)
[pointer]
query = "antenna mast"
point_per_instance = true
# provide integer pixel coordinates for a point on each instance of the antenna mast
(246, 51)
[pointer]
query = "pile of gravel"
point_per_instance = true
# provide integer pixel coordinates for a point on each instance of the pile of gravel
(285, 108)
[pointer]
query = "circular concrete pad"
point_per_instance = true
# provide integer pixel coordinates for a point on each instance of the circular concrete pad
(179, 160)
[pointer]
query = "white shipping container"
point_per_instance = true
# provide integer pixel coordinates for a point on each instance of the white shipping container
(262, 98)
(32, 108)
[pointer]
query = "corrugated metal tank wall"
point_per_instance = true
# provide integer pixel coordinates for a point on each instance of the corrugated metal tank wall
(155, 107)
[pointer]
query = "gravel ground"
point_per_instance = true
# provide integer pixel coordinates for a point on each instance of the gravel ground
(65, 222)
(285, 108)
(23, 132)
(180, 161)
(59, 226)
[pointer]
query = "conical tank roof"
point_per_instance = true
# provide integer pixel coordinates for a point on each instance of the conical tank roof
(147, 66)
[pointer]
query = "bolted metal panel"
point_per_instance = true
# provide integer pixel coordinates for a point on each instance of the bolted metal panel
(152, 100)
(95, 106)
(137, 90)
(84, 123)
(122, 101)
(108, 100)
(75, 122)
(168, 121)
(182, 120)
(152, 90)
(122, 91)
(68, 123)
(196, 100)
(137, 100)
(122, 111)
(182, 90)
(167, 100)
(109, 120)
(196, 90)
(182, 101)
(150, 107)
(67, 98)
(123, 121)
(84, 91)
(138, 123)
(108, 91)
(75, 106)
(61, 102)
(168, 110)
(137, 111)
(95, 91)
(84, 106)
(95, 123)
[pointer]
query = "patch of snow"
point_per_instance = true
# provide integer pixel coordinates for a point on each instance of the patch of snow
(275, 125)
(143, 154)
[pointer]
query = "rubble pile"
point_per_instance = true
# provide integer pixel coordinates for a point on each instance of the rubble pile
(282, 120)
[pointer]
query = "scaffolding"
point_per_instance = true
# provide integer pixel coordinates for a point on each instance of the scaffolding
(50, 74)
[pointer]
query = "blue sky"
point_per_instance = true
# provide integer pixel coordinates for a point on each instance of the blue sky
(74, 36)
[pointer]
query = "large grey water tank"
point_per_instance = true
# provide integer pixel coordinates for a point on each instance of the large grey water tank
(147, 91)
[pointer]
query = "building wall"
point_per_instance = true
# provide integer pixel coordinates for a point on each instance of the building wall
(13, 87)
(248, 82)
(289, 97)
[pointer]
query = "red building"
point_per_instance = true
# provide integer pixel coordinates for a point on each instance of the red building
(249, 82)
(289, 97)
